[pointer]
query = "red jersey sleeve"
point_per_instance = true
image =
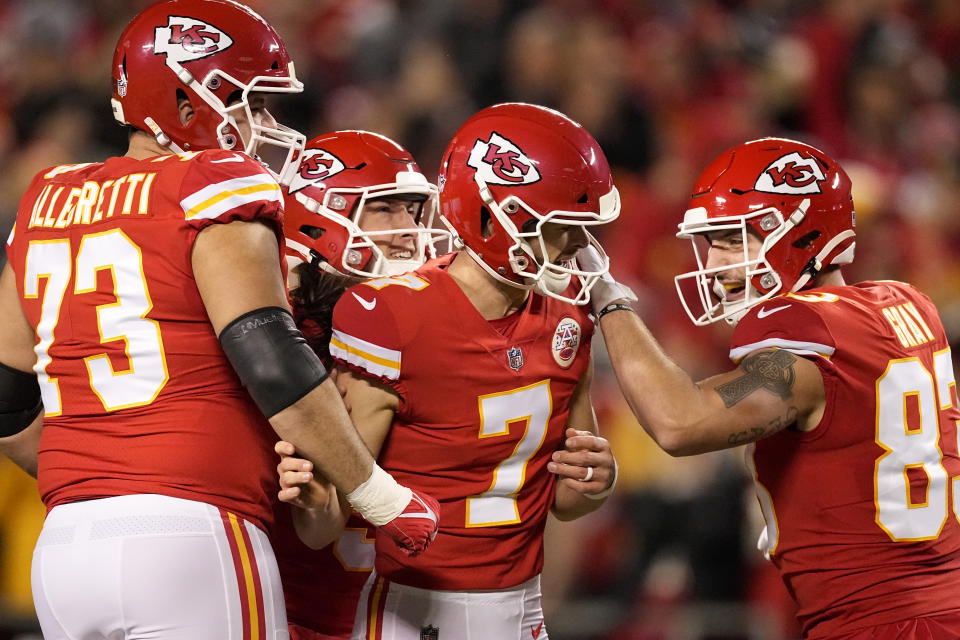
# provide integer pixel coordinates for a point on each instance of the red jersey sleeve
(367, 335)
(789, 323)
(224, 186)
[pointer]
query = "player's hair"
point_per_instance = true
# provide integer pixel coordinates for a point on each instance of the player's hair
(313, 301)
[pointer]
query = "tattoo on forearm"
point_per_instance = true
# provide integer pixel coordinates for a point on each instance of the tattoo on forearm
(770, 370)
(756, 433)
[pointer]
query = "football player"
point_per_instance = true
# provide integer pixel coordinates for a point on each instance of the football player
(470, 377)
(844, 392)
(144, 312)
(357, 207)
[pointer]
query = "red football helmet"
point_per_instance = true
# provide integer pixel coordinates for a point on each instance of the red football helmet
(797, 200)
(338, 173)
(510, 169)
(214, 52)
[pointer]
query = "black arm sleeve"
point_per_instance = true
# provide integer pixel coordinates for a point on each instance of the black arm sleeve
(272, 358)
(20, 401)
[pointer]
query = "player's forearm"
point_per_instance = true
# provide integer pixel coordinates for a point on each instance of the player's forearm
(670, 406)
(570, 505)
(319, 526)
(320, 428)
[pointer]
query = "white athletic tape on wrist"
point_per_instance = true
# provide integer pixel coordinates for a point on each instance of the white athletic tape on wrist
(603, 494)
(380, 498)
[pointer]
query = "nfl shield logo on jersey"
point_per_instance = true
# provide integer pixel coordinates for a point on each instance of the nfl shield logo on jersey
(566, 341)
(429, 632)
(515, 358)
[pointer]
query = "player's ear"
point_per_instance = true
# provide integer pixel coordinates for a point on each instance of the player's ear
(184, 107)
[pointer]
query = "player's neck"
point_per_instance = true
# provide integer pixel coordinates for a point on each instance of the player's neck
(143, 146)
(492, 298)
(830, 277)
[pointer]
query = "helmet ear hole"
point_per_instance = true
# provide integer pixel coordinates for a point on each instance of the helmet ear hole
(486, 223)
(583, 199)
(184, 107)
(313, 232)
(806, 240)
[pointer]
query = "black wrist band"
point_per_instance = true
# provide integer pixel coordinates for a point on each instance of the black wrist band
(615, 306)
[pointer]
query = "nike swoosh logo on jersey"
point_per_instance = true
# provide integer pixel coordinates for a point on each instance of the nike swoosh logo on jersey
(536, 632)
(233, 158)
(366, 304)
(763, 313)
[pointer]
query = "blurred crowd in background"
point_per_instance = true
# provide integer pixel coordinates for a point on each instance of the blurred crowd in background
(664, 85)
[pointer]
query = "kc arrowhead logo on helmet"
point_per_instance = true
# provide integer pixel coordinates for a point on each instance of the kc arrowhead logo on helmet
(185, 39)
(500, 161)
(792, 174)
(315, 165)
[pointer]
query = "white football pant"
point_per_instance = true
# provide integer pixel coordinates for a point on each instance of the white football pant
(391, 611)
(154, 567)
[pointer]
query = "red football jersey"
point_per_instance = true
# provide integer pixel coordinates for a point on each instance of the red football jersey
(483, 405)
(138, 395)
(321, 586)
(861, 512)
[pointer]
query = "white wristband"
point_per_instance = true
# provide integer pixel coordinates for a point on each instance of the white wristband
(380, 498)
(603, 494)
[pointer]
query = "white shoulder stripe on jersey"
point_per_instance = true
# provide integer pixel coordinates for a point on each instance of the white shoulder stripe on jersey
(65, 168)
(372, 358)
(799, 348)
(13, 232)
(216, 199)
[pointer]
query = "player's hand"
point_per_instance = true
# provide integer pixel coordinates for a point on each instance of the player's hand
(416, 526)
(298, 485)
(606, 290)
(583, 451)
